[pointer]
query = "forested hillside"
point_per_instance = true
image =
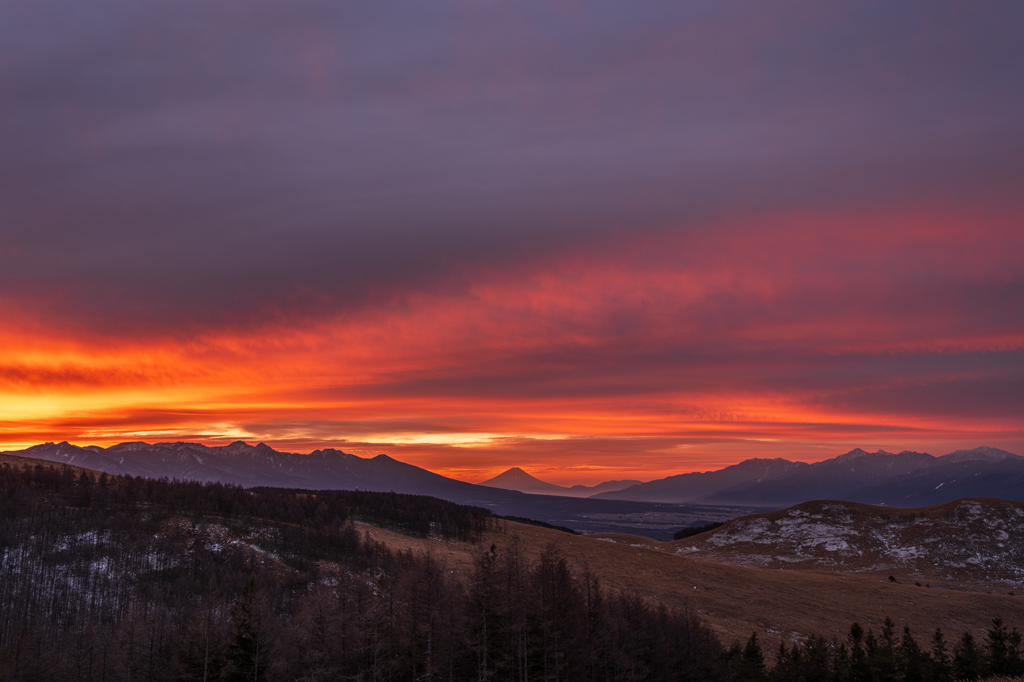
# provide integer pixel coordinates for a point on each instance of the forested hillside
(107, 578)
(119, 578)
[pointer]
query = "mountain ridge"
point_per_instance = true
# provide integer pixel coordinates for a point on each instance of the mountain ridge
(857, 475)
(692, 486)
(328, 469)
(907, 478)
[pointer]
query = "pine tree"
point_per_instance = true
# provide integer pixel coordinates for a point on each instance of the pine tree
(860, 669)
(817, 659)
(967, 659)
(910, 658)
(1015, 663)
(941, 667)
(783, 669)
(997, 648)
(751, 666)
(840, 662)
(882, 657)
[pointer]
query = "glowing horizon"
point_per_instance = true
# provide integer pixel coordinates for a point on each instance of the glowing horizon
(515, 371)
(593, 244)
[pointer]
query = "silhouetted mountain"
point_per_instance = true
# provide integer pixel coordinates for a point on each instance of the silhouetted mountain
(904, 479)
(689, 487)
(983, 453)
(875, 477)
(259, 465)
(517, 479)
(832, 479)
(330, 469)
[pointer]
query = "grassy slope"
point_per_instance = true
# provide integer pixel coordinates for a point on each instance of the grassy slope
(736, 600)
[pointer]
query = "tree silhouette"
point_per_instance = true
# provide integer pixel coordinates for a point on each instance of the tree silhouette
(967, 660)
(249, 651)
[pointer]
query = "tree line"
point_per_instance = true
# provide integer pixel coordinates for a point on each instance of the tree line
(886, 657)
(115, 579)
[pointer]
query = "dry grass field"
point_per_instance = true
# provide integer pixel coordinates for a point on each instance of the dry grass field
(779, 604)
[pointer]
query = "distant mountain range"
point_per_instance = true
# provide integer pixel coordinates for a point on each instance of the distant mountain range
(517, 479)
(261, 465)
(906, 479)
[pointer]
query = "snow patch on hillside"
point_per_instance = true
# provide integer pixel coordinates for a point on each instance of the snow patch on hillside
(978, 540)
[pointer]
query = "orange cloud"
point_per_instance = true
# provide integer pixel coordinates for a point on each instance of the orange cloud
(635, 359)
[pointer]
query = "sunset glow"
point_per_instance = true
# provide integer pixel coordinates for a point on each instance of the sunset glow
(514, 257)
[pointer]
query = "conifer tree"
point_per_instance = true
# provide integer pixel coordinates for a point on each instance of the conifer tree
(941, 666)
(1015, 661)
(997, 648)
(910, 658)
(967, 659)
(750, 667)
(817, 659)
(860, 669)
(883, 653)
(840, 662)
(783, 670)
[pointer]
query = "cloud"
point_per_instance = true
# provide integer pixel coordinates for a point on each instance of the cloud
(184, 164)
(534, 219)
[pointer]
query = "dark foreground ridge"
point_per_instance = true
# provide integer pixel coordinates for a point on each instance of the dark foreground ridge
(121, 578)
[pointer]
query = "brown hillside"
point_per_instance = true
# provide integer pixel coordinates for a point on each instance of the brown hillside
(736, 600)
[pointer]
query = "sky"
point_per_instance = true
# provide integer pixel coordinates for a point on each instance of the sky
(596, 240)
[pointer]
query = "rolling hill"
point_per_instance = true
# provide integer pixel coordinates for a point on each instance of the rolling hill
(979, 540)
